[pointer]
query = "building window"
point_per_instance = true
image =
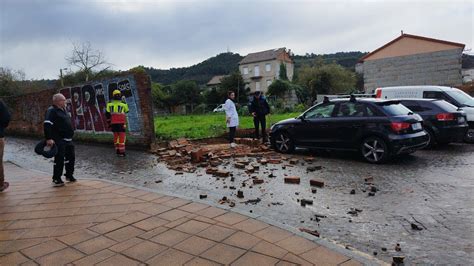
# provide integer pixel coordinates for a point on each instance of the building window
(246, 70)
(257, 86)
(257, 71)
(268, 67)
(269, 82)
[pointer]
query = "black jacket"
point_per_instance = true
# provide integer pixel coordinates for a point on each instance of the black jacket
(259, 106)
(57, 124)
(4, 118)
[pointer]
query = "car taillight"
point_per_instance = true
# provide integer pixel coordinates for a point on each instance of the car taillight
(399, 126)
(378, 93)
(445, 117)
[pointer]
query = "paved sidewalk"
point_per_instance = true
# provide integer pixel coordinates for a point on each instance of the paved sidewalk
(98, 222)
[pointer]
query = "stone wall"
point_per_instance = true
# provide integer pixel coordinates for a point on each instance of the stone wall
(86, 106)
(436, 68)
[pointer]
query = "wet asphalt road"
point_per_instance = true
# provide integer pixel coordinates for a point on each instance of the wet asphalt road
(433, 189)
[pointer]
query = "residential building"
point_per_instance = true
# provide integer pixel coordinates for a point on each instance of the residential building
(215, 81)
(260, 69)
(412, 60)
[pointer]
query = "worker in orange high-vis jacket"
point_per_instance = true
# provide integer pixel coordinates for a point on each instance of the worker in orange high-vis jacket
(116, 117)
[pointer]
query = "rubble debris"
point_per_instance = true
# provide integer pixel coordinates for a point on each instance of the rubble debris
(202, 196)
(211, 170)
(416, 227)
(320, 215)
(398, 248)
(371, 194)
(307, 201)
(309, 159)
(302, 203)
(373, 189)
(398, 260)
(292, 180)
(369, 179)
(257, 181)
(313, 190)
(252, 201)
(158, 181)
(316, 183)
(309, 231)
(240, 194)
(197, 156)
(384, 249)
(277, 203)
(354, 211)
(294, 161)
(249, 169)
(353, 191)
(274, 161)
(263, 161)
(271, 175)
(313, 168)
(178, 173)
(239, 165)
(221, 173)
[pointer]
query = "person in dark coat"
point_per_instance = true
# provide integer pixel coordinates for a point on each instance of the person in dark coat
(4, 121)
(58, 131)
(259, 108)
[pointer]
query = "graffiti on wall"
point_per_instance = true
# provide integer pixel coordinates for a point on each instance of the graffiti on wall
(86, 104)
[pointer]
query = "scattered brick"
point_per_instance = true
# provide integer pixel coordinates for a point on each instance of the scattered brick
(257, 181)
(309, 159)
(197, 156)
(211, 171)
(182, 141)
(316, 183)
(240, 194)
(292, 180)
(309, 231)
(263, 161)
(294, 161)
(222, 173)
(239, 165)
(274, 161)
(203, 196)
(314, 168)
(172, 144)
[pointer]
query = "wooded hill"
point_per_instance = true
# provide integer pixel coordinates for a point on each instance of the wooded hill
(225, 63)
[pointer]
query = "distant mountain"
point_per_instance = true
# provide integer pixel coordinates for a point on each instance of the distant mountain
(345, 59)
(221, 64)
(225, 63)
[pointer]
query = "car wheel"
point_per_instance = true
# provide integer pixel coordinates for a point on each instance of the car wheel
(284, 143)
(432, 143)
(469, 136)
(374, 150)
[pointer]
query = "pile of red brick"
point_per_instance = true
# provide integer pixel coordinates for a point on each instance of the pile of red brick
(185, 156)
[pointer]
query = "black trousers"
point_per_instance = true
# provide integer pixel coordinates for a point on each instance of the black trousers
(260, 120)
(232, 134)
(64, 157)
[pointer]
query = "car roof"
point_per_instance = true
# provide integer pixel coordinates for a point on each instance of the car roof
(421, 87)
(418, 99)
(372, 100)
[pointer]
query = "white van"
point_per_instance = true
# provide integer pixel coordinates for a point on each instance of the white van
(452, 95)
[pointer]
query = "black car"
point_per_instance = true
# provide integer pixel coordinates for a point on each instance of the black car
(442, 121)
(378, 129)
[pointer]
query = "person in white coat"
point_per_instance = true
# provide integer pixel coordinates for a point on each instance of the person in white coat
(232, 117)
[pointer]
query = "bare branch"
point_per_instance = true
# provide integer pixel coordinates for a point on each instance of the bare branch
(87, 59)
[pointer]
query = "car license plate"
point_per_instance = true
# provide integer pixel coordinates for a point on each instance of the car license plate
(416, 126)
(461, 120)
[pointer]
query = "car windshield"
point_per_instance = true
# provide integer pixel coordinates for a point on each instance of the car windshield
(461, 97)
(446, 106)
(394, 109)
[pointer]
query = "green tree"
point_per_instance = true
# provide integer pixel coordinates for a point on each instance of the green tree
(186, 92)
(279, 87)
(326, 79)
(282, 75)
(234, 82)
(9, 81)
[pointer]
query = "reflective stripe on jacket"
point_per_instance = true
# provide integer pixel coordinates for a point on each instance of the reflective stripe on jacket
(116, 111)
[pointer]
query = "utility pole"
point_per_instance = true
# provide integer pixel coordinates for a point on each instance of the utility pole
(61, 76)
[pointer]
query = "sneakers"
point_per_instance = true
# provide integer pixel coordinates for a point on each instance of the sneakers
(58, 182)
(233, 145)
(70, 179)
(5, 186)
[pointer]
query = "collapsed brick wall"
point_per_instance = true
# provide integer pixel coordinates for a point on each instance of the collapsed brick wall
(86, 106)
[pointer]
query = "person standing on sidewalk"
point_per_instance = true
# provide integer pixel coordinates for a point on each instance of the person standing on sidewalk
(232, 117)
(259, 108)
(115, 113)
(4, 121)
(58, 131)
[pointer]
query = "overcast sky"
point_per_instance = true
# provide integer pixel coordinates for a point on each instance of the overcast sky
(36, 36)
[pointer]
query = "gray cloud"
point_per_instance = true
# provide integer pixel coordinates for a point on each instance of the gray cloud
(36, 35)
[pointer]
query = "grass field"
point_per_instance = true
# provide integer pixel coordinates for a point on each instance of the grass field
(204, 126)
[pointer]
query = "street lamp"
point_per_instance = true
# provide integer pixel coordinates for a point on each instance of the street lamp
(61, 75)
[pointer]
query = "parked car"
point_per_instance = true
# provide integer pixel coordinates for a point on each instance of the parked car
(219, 108)
(377, 129)
(443, 121)
(454, 96)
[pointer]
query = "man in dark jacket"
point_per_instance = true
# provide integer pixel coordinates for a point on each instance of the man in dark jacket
(259, 108)
(58, 130)
(4, 121)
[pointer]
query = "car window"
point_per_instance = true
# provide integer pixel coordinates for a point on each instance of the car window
(415, 107)
(394, 109)
(320, 111)
(353, 109)
(445, 106)
(461, 97)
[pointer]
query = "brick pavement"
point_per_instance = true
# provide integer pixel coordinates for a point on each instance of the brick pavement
(94, 222)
